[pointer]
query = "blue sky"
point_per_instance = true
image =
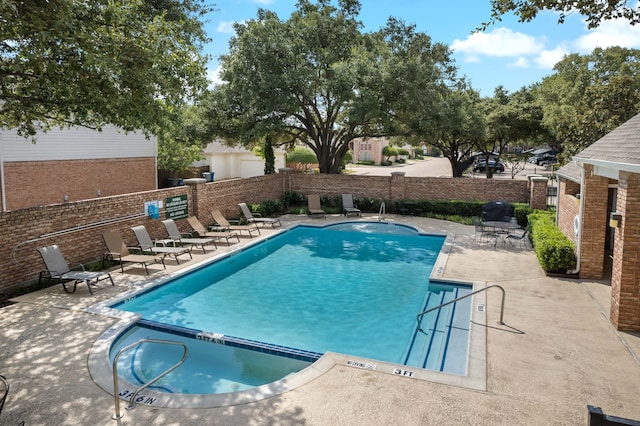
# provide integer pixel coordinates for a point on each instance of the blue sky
(508, 53)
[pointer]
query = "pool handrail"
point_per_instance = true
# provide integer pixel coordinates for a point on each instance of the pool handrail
(501, 322)
(118, 415)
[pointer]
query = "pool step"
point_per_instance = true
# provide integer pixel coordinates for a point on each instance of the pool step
(442, 346)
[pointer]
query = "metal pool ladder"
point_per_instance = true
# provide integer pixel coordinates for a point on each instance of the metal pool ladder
(501, 322)
(118, 415)
(382, 212)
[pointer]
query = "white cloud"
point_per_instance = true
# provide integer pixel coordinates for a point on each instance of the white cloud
(521, 62)
(548, 58)
(225, 27)
(265, 2)
(214, 76)
(501, 42)
(609, 33)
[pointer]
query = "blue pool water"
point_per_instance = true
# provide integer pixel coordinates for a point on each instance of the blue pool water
(353, 288)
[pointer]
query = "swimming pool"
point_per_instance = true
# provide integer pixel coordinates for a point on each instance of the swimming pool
(353, 288)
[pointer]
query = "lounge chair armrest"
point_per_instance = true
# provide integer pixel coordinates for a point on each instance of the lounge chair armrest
(78, 266)
(135, 249)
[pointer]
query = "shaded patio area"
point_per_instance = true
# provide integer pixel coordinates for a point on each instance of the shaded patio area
(556, 354)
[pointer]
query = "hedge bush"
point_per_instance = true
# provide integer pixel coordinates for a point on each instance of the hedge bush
(555, 252)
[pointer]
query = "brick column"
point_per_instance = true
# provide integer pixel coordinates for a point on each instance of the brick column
(625, 285)
(396, 186)
(593, 224)
(538, 192)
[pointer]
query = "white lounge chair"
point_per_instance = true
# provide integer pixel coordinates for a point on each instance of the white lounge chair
(57, 268)
(147, 245)
(178, 238)
(218, 235)
(225, 225)
(271, 221)
(119, 252)
(348, 207)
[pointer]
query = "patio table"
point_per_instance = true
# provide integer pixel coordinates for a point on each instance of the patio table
(500, 228)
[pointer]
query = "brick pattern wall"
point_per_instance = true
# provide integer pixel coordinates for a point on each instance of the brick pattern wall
(625, 285)
(225, 195)
(596, 195)
(568, 208)
(538, 192)
(397, 188)
(34, 183)
(77, 227)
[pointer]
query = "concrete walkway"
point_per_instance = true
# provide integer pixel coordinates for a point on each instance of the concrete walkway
(556, 354)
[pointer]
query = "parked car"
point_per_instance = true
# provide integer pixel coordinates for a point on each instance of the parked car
(481, 166)
(543, 159)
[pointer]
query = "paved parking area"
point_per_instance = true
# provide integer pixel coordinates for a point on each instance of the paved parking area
(556, 353)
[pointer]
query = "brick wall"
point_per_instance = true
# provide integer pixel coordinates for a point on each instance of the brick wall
(35, 183)
(77, 227)
(592, 246)
(396, 188)
(625, 286)
(568, 207)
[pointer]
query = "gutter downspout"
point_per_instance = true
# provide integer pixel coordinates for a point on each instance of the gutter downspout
(580, 214)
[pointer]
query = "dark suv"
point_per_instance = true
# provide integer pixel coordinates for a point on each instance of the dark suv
(481, 166)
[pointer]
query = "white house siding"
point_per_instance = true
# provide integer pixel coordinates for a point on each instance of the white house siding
(74, 164)
(76, 143)
(232, 162)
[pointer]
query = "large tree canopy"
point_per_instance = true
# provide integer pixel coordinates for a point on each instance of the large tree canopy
(594, 11)
(316, 79)
(72, 62)
(590, 95)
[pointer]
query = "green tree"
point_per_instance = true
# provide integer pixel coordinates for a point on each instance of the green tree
(89, 63)
(455, 124)
(510, 117)
(301, 156)
(590, 95)
(594, 11)
(180, 140)
(317, 80)
(269, 156)
(389, 151)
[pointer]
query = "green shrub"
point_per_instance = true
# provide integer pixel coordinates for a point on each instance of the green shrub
(385, 163)
(268, 207)
(555, 252)
(366, 162)
(293, 199)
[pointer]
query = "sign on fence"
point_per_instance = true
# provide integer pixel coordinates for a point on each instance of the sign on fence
(176, 207)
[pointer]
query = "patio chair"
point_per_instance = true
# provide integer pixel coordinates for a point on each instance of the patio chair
(271, 221)
(225, 225)
(314, 205)
(4, 386)
(178, 238)
(199, 228)
(119, 252)
(348, 207)
(480, 230)
(57, 268)
(522, 238)
(147, 245)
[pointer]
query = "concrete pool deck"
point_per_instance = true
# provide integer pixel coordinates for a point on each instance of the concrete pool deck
(556, 353)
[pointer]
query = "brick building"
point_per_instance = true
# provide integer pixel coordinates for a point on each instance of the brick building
(598, 205)
(74, 164)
